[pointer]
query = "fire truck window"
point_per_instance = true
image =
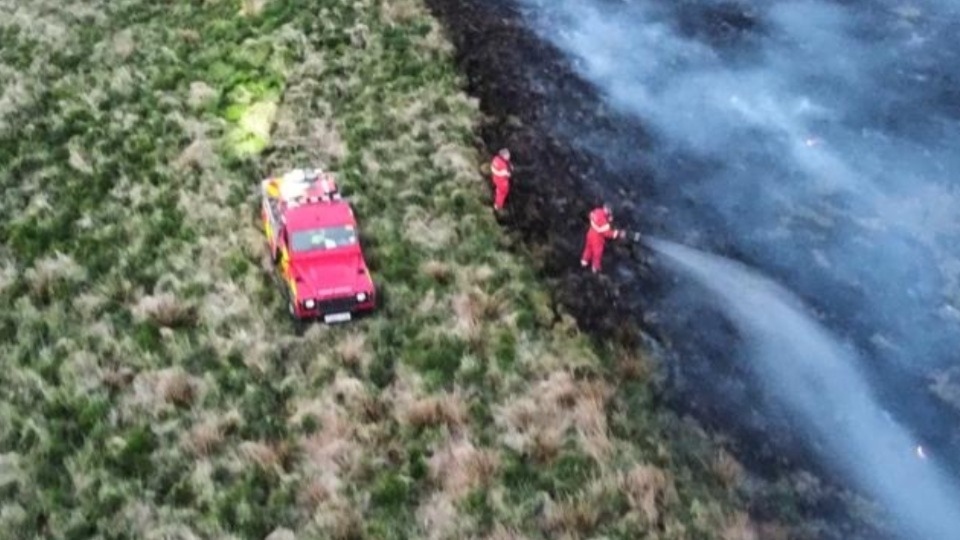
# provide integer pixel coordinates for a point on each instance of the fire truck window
(323, 239)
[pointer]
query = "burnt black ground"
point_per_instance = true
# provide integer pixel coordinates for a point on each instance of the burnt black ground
(522, 84)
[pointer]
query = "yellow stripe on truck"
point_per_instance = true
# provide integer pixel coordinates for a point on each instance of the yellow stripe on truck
(293, 289)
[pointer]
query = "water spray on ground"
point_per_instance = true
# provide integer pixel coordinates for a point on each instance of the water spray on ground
(816, 376)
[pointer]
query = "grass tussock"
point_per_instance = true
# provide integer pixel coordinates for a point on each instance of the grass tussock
(448, 410)
(150, 382)
(165, 309)
(252, 8)
(648, 489)
(727, 469)
(156, 392)
(352, 350)
(266, 456)
(204, 438)
(49, 272)
(554, 410)
(415, 407)
(459, 467)
(396, 12)
(570, 518)
(501, 532)
(740, 527)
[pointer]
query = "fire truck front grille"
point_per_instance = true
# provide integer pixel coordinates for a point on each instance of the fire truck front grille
(337, 305)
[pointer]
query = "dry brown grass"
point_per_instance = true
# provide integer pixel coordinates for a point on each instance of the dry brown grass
(78, 160)
(338, 520)
(428, 304)
(252, 8)
(319, 136)
(204, 438)
(437, 270)
(438, 517)
(473, 305)
(740, 527)
(334, 448)
(430, 233)
(467, 310)
(200, 154)
(321, 488)
(165, 309)
(546, 444)
(265, 455)
(570, 518)
(448, 409)
(82, 368)
(472, 276)
(539, 421)
(177, 387)
(456, 469)
(352, 351)
(590, 420)
(727, 469)
(456, 160)
(156, 392)
(773, 531)
(200, 94)
(436, 41)
(48, 271)
(8, 274)
(123, 44)
(647, 489)
(351, 393)
(633, 367)
(500, 532)
(86, 303)
(118, 378)
(400, 11)
(281, 534)
(459, 467)
(359, 35)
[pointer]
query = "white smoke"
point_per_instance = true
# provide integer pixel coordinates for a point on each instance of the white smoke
(841, 114)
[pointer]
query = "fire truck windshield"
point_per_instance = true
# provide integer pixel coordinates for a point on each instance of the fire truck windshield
(322, 239)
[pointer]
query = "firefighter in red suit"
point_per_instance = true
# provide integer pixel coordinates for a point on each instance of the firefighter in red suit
(500, 170)
(600, 230)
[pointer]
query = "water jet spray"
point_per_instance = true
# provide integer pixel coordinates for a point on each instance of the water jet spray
(818, 378)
